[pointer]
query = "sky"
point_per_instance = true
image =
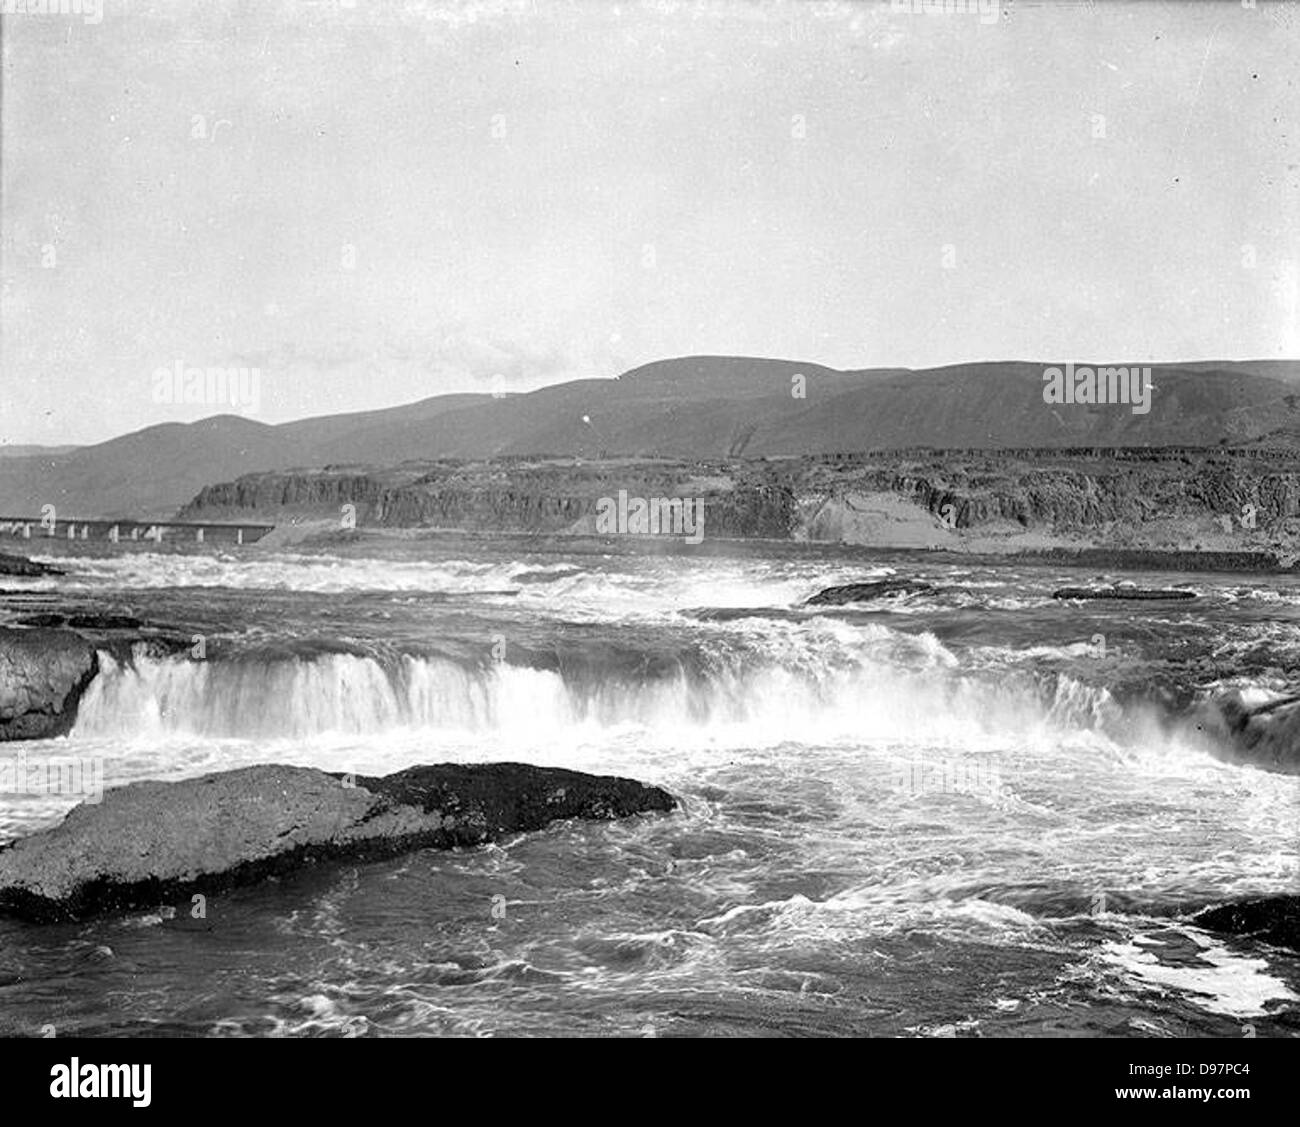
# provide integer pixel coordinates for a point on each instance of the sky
(369, 202)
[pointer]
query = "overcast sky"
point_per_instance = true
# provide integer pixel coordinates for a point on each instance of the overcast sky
(373, 202)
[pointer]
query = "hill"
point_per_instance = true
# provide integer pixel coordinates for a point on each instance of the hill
(700, 407)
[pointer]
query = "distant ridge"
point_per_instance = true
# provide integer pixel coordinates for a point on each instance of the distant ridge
(32, 450)
(688, 407)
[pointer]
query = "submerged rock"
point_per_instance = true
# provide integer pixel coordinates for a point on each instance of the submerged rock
(877, 589)
(152, 842)
(1271, 919)
(42, 676)
(1122, 591)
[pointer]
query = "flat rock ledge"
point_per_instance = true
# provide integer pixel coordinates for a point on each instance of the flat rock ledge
(152, 843)
(1131, 594)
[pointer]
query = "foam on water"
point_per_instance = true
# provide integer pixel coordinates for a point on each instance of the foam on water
(725, 583)
(860, 788)
(1218, 979)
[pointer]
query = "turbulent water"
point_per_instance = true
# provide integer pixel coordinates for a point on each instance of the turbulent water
(982, 812)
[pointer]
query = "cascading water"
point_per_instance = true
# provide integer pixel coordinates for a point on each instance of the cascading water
(868, 792)
(817, 689)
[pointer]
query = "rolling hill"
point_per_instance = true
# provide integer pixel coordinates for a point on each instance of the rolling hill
(691, 407)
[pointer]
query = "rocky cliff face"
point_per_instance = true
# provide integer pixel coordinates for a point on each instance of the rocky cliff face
(300, 489)
(1121, 497)
(1081, 493)
(505, 496)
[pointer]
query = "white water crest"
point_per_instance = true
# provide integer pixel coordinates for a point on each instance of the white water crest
(637, 584)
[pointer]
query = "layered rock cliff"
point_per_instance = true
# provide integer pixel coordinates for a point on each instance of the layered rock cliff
(1173, 499)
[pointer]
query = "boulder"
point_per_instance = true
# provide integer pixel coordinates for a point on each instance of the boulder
(151, 843)
(42, 676)
(864, 592)
(1270, 919)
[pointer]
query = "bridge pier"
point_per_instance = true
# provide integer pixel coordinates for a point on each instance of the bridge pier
(198, 536)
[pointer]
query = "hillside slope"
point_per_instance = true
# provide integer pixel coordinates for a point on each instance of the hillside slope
(692, 407)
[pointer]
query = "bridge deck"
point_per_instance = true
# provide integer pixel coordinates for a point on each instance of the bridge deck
(126, 528)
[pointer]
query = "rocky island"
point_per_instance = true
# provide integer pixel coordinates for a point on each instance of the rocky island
(151, 843)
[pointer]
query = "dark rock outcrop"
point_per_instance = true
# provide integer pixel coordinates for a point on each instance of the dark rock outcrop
(1271, 919)
(1134, 593)
(153, 842)
(42, 676)
(97, 622)
(1265, 736)
(115, 629)
(864, 592)
(20, 565)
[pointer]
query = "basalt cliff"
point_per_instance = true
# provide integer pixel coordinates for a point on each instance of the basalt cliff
(1238, 508)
